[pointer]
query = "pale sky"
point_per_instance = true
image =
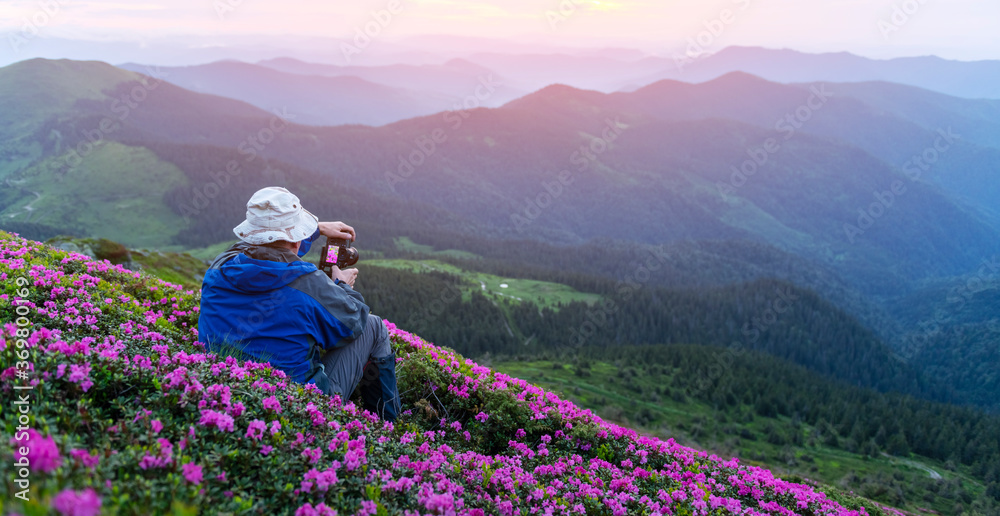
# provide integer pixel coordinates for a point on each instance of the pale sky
(957, 29)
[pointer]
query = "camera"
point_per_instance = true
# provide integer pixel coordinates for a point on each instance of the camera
(337, 252)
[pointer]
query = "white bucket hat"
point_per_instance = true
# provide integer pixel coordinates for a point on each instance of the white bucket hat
(273, 214)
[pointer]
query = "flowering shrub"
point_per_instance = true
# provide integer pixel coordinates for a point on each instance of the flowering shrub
(130, 415)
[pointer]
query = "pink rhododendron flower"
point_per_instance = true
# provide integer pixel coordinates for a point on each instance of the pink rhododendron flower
(272, 403)
(217, 419)
(353, 459)
(192, 473)
(312, 454)
(440, 503)
(368, 508)
(43, 454)
(256, 429)
(89, 461)
(321, 480)
(319, 510)
(77, 503)
(80, 374)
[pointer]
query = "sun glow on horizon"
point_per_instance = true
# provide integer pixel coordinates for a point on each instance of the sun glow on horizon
(959, 30)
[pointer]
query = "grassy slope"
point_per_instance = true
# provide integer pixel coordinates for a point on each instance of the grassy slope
(541, 293)
(178, 268)
(210, 252)
(33, 90)
(733, 433)
(116, 192)
(407, 244)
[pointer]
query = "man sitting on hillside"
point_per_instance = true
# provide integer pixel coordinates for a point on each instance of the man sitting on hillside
(260, 300)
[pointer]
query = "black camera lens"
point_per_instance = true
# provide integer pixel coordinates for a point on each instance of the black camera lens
(347, 257)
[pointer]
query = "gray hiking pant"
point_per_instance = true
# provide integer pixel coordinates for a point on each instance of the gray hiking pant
(344, 366)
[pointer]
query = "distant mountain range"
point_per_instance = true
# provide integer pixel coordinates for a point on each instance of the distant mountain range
(457, 78)
(611, 71)
(819, 173)
(892, 122)
(333, 95)
(969, 79)
(325, 94)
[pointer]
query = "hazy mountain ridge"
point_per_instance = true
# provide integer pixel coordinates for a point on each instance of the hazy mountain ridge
(456, 77)
(959, 135)
(975, 79)
(314, 99)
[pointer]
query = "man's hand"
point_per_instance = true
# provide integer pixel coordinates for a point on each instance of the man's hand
(347, 275)
(337, 230)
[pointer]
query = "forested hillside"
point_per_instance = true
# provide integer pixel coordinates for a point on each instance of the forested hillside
(773, 317)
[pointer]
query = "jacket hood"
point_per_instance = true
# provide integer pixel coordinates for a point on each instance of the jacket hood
(249, 275)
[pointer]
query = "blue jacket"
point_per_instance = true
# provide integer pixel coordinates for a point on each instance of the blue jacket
(269, 305)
